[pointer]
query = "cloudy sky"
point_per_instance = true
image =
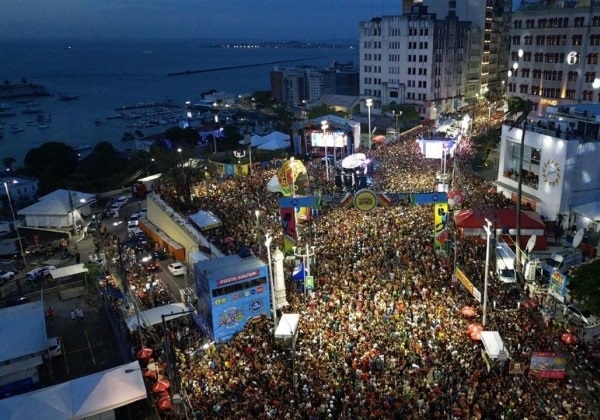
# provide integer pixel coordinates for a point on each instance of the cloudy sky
(228, 19)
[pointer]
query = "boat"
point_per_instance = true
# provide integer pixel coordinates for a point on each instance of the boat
(68, 97)
(16, 129)
(30, 109)
(43, 126)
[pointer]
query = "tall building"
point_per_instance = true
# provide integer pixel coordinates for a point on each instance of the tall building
(554, 53)
(418, 59)
(492, 18)
(295, 85)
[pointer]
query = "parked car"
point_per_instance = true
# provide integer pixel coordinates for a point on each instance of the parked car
(6, 276)
(177, 269)
(134, 219)
(159, 254)
(580, 316)
(54, 345)
(37, 274)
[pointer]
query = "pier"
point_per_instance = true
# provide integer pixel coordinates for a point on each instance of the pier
(241, 66)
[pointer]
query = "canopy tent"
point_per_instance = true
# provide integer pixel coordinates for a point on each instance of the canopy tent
(23, 324)
(494, 346)
(154, 316)
(505, 218)
(277, 135)
(275, 144)
(205, 220)
(196, 256)
(80, 398)
(68, 271)
(257, 140)
(288, 326)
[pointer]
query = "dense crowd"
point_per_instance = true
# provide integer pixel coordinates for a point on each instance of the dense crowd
(382, 335)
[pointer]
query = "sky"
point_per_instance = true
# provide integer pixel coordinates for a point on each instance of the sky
(258, 20)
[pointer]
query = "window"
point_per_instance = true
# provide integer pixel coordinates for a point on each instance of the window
(592, 59)
(572, 76)
(579, 21)
(590, 76)
(576, 39)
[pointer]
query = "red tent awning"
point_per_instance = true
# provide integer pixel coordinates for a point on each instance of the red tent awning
(505, 218)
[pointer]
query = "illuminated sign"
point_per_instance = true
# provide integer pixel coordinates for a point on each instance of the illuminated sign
(365, 200)
(239, 277)
(551, 102)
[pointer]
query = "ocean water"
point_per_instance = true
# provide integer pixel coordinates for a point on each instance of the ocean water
(107, 75)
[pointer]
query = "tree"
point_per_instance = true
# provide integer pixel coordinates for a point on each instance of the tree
(262, 99)
(52, 163)
(519, 108)
(127, 136)
(9, 162)
(322, 110)
(584, 285)
(104, 168)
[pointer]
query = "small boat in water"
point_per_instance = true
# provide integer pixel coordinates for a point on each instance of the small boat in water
(31, 109)
(16, 129)
(65, 97)
(43, 126)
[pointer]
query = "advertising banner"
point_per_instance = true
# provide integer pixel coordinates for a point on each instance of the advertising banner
(558, 285)
(440, 219)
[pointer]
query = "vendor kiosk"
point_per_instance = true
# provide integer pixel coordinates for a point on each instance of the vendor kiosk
(231, 291)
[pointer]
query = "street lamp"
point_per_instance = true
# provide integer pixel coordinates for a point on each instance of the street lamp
(268, 240)
(324, 127)
(488, 232)
(369, 104)
(12, 211)
(306, 254)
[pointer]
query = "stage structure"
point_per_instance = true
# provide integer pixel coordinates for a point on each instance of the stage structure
(342, 136)
(231, 291)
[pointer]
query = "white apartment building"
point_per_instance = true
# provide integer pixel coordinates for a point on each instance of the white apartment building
(561, 174)
(418, 59)
(554, 53)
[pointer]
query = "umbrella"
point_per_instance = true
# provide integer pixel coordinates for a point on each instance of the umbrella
(475, 335)
(568, 338)
(144, 353)
(471, 328)
(164, 403)
(468, 312)
(228, 240)
(161, 385)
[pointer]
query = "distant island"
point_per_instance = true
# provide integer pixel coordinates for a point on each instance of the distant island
(21, 90)
(285, 44)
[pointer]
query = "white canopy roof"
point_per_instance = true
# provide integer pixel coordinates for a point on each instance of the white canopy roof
(80, 398)
(70, 270)
(22, 325)
(257, 140)
(205, 220)
(196, 256)
(154, 316)
(493, 344)
(275, 144)
(288, 325)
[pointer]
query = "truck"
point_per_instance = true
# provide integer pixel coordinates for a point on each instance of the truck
(505, 263)
(143, 186)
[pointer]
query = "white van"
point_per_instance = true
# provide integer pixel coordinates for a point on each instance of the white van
(505, 263)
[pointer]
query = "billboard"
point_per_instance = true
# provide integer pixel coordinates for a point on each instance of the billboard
(329, 139)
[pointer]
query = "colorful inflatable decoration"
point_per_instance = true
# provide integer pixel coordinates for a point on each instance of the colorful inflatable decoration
(292, 175)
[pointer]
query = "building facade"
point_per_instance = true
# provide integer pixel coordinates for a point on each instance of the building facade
(554, 51)
(560, 163)
(417, 59)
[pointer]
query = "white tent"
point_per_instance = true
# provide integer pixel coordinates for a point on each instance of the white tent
(288, 326)
(257, 140)
(276, 135)
(80, 398)
(205, 220)
(494, 346)
(275, 144)
(154, 316)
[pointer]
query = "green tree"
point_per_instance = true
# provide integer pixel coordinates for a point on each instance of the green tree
(322, 110)
(105, 168)
(519, 109)
(52, 163)
(584, 285)
(127, 136)
(262, 99)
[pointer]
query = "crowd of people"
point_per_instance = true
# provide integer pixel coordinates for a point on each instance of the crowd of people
(382, 334)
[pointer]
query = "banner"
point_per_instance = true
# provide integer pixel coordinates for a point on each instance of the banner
(440, 219)
(288, 223)
(547, 365)
(558, 285)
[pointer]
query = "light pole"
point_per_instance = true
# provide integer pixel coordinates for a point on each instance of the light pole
(488, 232)
(268, 240)
(324, 127)
(12, 211)
(308, 253)
(369, 104)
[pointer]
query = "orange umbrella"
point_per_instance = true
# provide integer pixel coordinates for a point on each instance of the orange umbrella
(164, 403)
(144, 353)
(468, 312)
(161, 385)
(568, 338)
(475, 335)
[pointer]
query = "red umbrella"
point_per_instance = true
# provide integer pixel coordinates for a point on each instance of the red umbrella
(568, 338)
(471, 328)
(228, 240)
(161, 385)
(475, 335)
(144, 353)
(164, 403)
(468, 312)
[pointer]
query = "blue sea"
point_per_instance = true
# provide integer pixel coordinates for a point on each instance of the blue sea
(107, 75)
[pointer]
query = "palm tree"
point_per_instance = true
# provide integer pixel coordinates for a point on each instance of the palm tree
(519, 108)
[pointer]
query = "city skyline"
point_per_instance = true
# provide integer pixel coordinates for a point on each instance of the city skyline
(252, 20)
